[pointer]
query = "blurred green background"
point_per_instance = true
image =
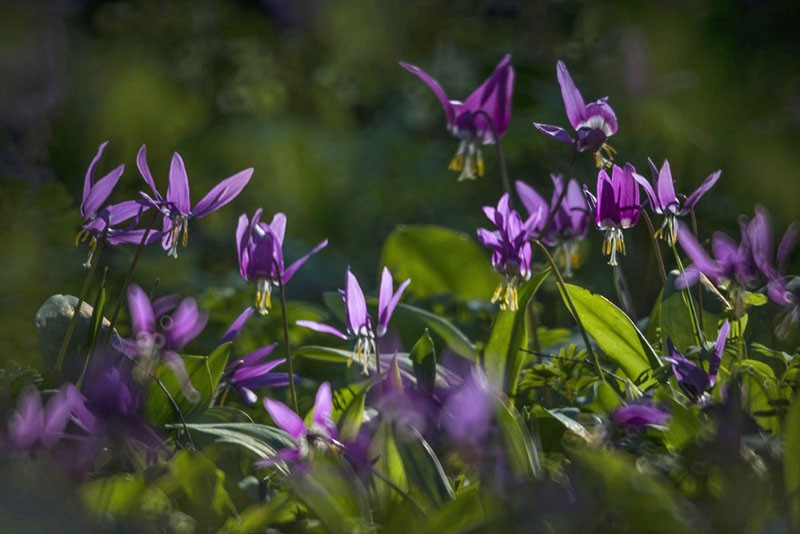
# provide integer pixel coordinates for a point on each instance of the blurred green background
(349, 144)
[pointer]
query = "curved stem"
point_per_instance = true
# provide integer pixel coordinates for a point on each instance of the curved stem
(501, 158)
(568, 299)
(687, 293)
(656, 249)
(292, 388)
(699, 287)
(176, 409)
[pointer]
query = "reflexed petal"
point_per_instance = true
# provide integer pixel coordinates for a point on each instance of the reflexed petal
(690, 376)
(607, 207)
(56, 416)
(319, 327)
(222, 193)
(707, 184)
(246, 394)
(118, 213)
(719, 349)
(576, 205)
(25, 424)
(285, 455)
(759, 232)
(292, 269)
(89, 178)
(785, 247)
(556, 132)
(259, 354)
(435, 87)
(262, 256)
(489, 239)
(651, 194)
(80, 413)
(639, 416)
(723, 247)
(666, 187)
(355, 306)
(285, 418)
(187, 323)
(118, 237)
(178, 188)
(242, 242)
(248, 372)
(627, 195)
(531, 199)
(385, 293)
(323, 408)
(100, 192)
(700, 258)
(493, 97)
(237, 325)
(165, 304)
(278, 226)
(141, 311)
(386, 315)
(573, 101)
(608, 119)
(144, 170)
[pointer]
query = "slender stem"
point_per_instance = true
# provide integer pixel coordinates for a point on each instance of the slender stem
(62, 351)
(560, 200)
(656, 249)
(571, 305)
(501, 158)
(129, 276)
(699, 286)
(534, 324)
(624, 292)
(403, 493)
(378, 366)
(687, 293)
(176, 409)
(292, 388)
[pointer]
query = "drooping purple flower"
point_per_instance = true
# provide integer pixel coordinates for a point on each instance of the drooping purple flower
(160, 329)
(570, 223)
(691, 377)
(176, 206)
(482, 118)
(639, 416)
(468, 411)
(664, 201)
(259, 247)
(511, 248)
(594, 123)
(359, 323)
(99, 219)
(307, 439)
(616, 207)
(252, 371)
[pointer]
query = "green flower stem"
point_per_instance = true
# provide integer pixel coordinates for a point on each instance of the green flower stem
(292, 387)
(699, 286)
(687, 299)
(176, 409)
(656, 249)
(563, 288)
(501, 158)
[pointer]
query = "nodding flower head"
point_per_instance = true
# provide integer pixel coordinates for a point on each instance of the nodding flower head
(594, 122)
(664, 201)
(691, 377)
(359, 324)
(511, 248)
(481, 119)
(259, 247)
(616, 207)
(176, 206)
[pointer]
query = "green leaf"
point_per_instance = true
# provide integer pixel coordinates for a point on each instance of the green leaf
(96, 321)
(616, 334)
(452, 336)
(352, 415)
(225, 414)
(389, 465)
(260, 440)
(522, 453)
(424, 471)
(503, 356)
(791, 460)
(423, 357)
(676, 321)
(117, 494)
(764, 394)
(439, 260)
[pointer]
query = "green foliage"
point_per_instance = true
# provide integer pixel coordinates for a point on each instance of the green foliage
(676, 321)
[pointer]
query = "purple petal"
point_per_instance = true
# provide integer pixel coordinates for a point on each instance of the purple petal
(573, 101)
(648, 189)
(531, 199)
(269, 380)
(133, 237)
(237, 325)
(288, 455)
(80, 413)
(719, 349)
(222, 193)
(259, 354)
(639, 416)
(387, 301)
(292, 269)
(187, 323)
(602, 111)
(248, 372)
(285, 418)
(759, 232)
(144, 170)
(88, 180)
(355, 306)
(493, 97)
(435, 87)
(278, 226)
(576, 204)
(607, 207)
(319, 327)
(707, 184)
(165, 304)
(118, 213)
(489, 239)
(690, 376)
(100, 192)
(242, 241)
(556, 132)
(178, 188)
(323, 408)
(627, 195)
(56, 416)
(700, 258)
(246, 394)
(142, 318)
(178, 368)
(25, 424)
(786, 246)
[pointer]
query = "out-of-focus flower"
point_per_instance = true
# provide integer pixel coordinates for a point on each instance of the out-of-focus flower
(639, 416)
(616, 207)
(511, 248)
(359, 323)
(691, 377)
(161, 329)
(468, 411)
(259, 247)
(570, 223)
(664, 201)
(320, 435)
(176, 206)
(482, 118)
(594, 123)
(251, 371)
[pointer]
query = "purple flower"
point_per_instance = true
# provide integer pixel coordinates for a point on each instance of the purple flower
(664, 201)
(570, 223)
(482, 118)
(639, 416)
(252, 371)
(691, 377)
(177, 208)
(98, 218)
(616, 207)
(161, 329)
(359, 323)
(307, 439)
(260, 250)
(511, 248)
(594, 122)
(468, 411)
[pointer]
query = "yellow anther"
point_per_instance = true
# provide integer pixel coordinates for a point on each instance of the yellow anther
(457, 163)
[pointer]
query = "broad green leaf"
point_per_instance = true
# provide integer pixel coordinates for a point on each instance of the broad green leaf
(465, 514)
(503, 356)
(388, 465)
(423, 469)
(452, 336)
(522, 453)
(280, 509)
(351, 415)
(765, 397)
(260, 440)
(423, 357)
(676, 321)
(117, 494)
(572, 425)
(615, 333)
(439, 260)
(225, 414)
(791, 460)
(683, 425)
